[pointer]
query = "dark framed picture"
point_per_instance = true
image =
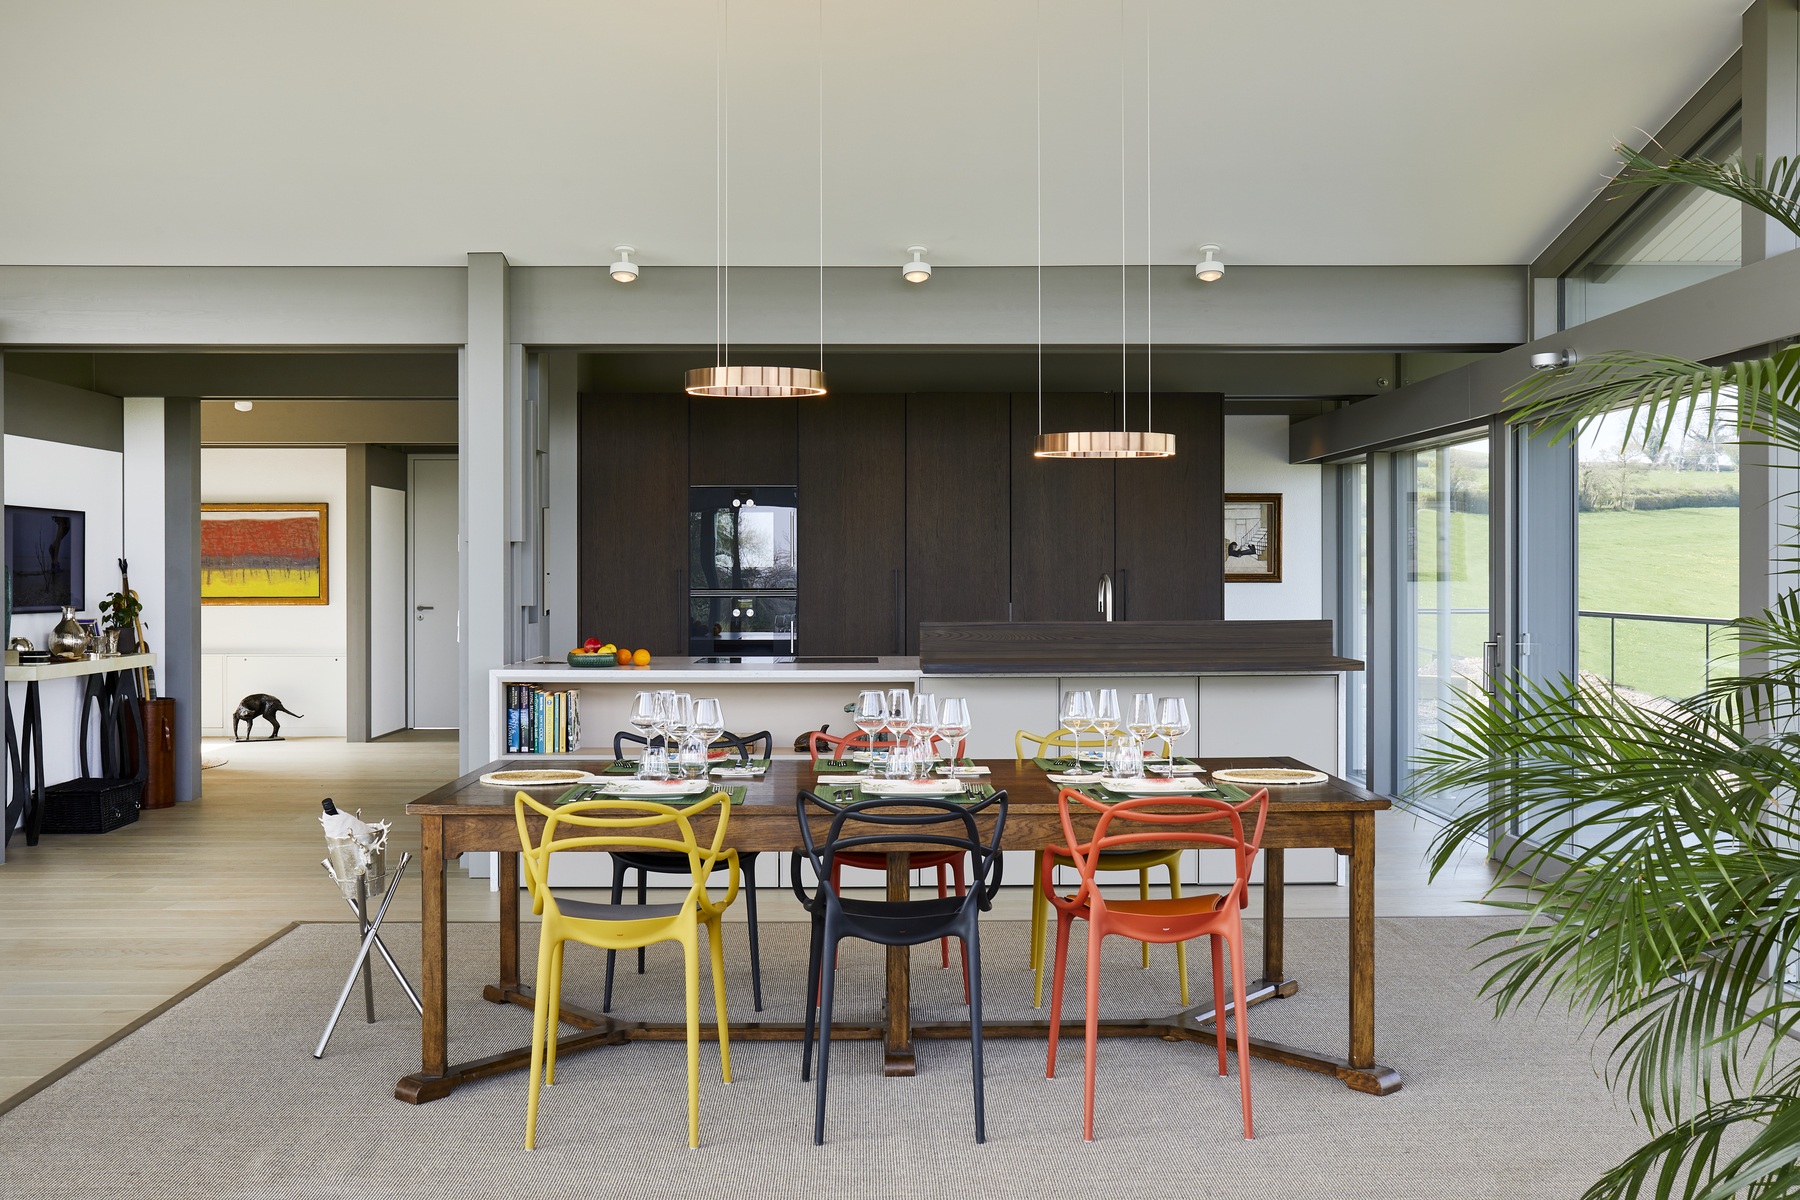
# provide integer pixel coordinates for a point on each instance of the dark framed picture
(263, 554)
(1253, 537)
(46, 551)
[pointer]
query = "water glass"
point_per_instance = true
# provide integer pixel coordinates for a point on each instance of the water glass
(1126, 758)
(654, 764)
(693, 756)
(898, 764)
(922, 758)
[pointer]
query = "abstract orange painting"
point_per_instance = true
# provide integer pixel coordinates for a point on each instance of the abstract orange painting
(263, 554)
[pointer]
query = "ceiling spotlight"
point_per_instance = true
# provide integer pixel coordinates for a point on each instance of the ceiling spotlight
(242, 405)
(1209, 269)
(918, 270)
(624, 271)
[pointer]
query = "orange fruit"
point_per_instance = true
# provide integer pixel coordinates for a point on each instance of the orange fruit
(641, 658)
(624, 658)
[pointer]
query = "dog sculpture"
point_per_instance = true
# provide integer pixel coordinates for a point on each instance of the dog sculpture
(260, 704)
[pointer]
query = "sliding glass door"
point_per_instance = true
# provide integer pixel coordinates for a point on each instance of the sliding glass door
(1442, 609)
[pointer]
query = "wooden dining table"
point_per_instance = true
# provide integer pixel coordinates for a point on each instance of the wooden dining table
(468, 815)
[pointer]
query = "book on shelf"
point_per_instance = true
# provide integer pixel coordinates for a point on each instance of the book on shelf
(542, 721)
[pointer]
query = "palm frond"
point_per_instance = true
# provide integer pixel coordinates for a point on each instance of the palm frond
(1774, 190)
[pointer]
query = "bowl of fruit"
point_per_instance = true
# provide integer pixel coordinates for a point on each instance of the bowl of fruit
(594, 653)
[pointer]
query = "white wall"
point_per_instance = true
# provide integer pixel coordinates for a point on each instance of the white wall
(310, 639)
(55, 475)
(1256, 461)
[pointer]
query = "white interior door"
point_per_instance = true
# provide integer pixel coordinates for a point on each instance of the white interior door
(389, 615)
(433, 627)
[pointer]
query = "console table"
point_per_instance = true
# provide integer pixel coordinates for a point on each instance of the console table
(109, 684)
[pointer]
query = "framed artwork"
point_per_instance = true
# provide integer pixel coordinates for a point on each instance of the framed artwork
(1253, 537)
(46, 552)
(263, 554)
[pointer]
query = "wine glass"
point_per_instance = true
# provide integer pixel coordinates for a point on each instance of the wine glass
(665, 701)
(953, 727)
(924, 717)
(900, 714)
(1172, 723)
(681, 715)
(646, 714)
(1143, 716)
(709, 719)
(1078, 718)
(871, 715)
(1107, 717)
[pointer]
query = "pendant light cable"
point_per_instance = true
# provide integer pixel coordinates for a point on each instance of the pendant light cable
(719, 184)
(1149, 256)
(1037, 21)
(1124, 343)
(821, 81)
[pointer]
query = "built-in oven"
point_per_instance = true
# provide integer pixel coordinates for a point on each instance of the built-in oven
(742, 571)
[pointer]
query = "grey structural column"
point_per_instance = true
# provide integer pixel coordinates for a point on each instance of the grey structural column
(356, 595)
(484, 424)
(179, 649)
(1771, 122)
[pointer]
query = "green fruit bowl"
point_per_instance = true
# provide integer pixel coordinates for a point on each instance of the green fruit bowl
(591, 661)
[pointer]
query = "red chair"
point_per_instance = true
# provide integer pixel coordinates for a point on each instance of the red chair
(1172, 819)
(841, 748)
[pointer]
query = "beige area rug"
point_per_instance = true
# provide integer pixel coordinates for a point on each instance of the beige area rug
(220, 1095)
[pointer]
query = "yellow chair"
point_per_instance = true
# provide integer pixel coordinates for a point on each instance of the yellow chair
(1140, 861)
(625, 926)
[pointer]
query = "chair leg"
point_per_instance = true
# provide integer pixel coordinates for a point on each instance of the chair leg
(962, 889)
(1093, 1029)
(1174, 869)
(1063, 922)
(826, 980)
(1241, 1028)
(971, 946)
(837, 885)
(690, 951)
(1144, 894)
(814, 960)
(539, 1011)
(1037, 914)
(643, 899)
(943, 874)
(554, 1026)
(749, 886)
(1218, 957)
(715, 937)
(612, 956)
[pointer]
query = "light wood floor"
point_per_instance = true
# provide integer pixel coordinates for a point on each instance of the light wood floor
(97, 931)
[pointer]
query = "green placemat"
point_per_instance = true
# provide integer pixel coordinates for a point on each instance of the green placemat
(589, 791)
(1230, 793)
(629, 766)
(840, 794)
(833, 766)
(1060, 765)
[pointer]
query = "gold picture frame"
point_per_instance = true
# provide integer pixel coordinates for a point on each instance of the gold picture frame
(258, 553)
(1253, 537)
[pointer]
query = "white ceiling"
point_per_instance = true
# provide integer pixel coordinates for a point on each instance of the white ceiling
(414, 131)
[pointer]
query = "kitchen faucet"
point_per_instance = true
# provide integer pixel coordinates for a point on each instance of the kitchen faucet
(1106, 597)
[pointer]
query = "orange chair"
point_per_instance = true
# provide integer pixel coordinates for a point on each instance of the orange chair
(841, 748)
(1169, 819)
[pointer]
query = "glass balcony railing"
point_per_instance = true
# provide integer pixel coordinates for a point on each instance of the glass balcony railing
(1653, 654)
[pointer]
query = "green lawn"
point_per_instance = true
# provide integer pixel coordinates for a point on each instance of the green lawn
(1670, 562)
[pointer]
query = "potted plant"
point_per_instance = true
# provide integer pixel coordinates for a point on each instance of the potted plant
(1665, 842)
(119, 612)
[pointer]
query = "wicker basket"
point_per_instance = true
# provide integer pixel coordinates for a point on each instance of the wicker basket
(91, 805)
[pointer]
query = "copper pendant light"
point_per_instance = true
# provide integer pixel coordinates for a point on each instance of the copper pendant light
(1121, 442)
(755, 383)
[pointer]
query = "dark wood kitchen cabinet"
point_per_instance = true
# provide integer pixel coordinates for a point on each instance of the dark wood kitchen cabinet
(633, 513)
(1168, 518)
(852, 492)
(958, 495)
(1062, 511)
(741, 443)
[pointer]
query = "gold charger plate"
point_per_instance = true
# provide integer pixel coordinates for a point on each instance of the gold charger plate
(1270, 776)
(535, 779)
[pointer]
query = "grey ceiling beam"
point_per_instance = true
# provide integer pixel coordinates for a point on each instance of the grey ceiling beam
(244, 376)
(57, 306)
(329, 423)
(1385, 307)
(1754, 305)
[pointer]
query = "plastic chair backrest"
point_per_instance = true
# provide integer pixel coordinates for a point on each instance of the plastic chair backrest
(1170, 819)
(1058, 739)
(632, 814)
(904, 829)
(818, 740)
(729, 741)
